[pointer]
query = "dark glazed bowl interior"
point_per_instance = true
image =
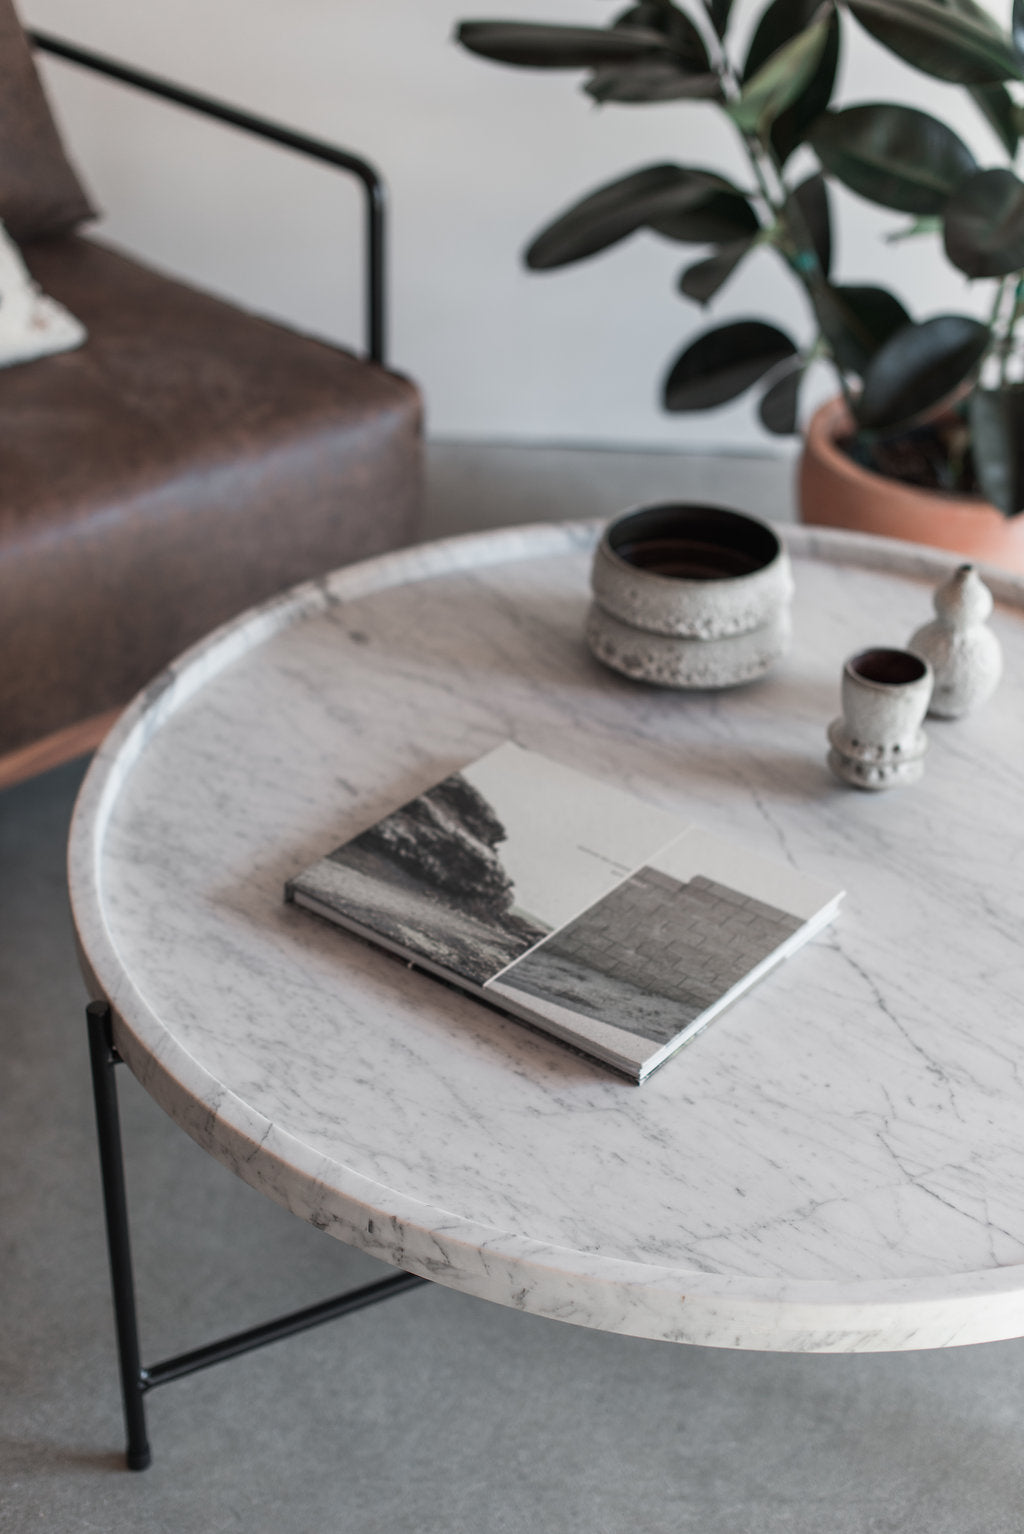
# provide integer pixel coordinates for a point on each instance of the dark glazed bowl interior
(889, 668)
(693, 543)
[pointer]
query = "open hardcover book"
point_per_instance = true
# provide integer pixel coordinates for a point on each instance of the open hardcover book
(592, 915)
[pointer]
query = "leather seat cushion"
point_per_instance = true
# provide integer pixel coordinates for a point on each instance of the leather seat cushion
(189, 460)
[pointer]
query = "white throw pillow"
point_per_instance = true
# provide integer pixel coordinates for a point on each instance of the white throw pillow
(31, 324)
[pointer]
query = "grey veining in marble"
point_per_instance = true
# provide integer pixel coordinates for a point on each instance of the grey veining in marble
(834, 1165)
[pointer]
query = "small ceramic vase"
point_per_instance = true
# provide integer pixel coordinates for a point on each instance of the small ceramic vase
(877, 742)
(963, 652)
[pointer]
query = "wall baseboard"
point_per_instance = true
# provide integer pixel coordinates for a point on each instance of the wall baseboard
(476, 485)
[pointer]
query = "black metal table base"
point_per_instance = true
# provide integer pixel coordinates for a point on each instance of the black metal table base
(137, 1378)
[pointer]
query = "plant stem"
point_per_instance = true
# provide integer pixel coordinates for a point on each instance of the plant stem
(1007, 345)
(789, 232)
(999, 348)
(796, 246)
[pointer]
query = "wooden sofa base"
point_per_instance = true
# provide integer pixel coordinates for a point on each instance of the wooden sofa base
(63, 746)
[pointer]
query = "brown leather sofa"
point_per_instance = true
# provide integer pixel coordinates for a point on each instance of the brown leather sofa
(188, 460)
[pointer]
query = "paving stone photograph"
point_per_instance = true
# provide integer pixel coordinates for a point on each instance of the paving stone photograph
(654, 954)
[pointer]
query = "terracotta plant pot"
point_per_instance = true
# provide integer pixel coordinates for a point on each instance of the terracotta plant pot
(836, 492)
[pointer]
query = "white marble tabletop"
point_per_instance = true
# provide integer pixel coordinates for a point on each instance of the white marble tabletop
(836, 1164)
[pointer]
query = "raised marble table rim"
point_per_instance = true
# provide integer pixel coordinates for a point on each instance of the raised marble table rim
(675, 1304)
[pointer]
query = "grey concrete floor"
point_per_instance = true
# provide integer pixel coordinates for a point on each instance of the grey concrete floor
(431, 1414)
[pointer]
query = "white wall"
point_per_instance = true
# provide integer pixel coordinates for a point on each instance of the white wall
(478, 157)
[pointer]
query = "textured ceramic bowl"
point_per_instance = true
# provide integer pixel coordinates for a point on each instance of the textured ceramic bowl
(696, 664)
(699, 572)
(690, 596)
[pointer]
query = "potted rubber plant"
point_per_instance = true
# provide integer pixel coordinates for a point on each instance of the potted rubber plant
(928, 426)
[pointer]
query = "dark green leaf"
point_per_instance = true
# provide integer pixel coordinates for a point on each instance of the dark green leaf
(969, 8)
(781, 81)
(945, 43)
(540, 46)
(782, 20)
(616, 210)
(780, 401)
(996, 105)
(893, 155)
(704, 279)
(718, 218)
(984, 233)
(651, 80)
(718, 11)
(857, 321)
(809, 217)
(1017, 28)
(997, 439)
(674, 26)
(789, 130)
(722, 363)
(993, 101)
(972, 10)
(919, 368)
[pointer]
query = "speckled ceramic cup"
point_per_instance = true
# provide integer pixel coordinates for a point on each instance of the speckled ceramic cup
(669, 580)
(877, 742)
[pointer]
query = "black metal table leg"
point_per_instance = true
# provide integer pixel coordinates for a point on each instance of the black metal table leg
(136, 1380)
(104, 1058)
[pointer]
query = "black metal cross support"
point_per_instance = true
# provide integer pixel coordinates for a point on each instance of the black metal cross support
(137, 1379)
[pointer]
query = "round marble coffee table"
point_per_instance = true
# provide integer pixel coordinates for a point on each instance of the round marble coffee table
(835, 1164)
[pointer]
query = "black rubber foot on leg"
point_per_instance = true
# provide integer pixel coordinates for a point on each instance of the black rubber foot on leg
(139, 1459)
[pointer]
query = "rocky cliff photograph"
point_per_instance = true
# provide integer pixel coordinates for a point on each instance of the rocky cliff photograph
(430, 879)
